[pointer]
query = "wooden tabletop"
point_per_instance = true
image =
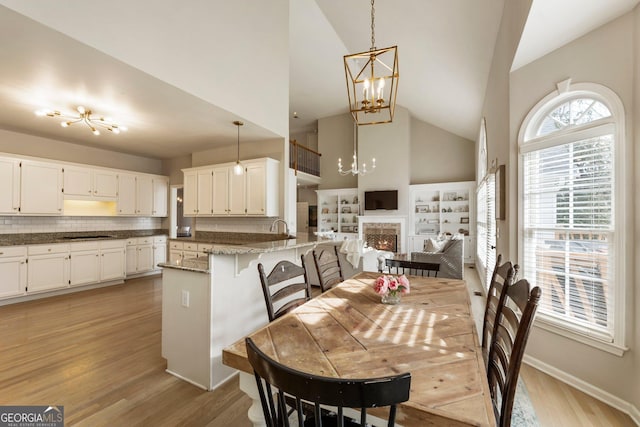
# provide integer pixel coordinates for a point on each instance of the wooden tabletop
(346, 332)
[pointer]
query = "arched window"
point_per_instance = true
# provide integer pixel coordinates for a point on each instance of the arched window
(570, 168)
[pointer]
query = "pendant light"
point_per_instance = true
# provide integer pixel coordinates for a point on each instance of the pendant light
(238, 169)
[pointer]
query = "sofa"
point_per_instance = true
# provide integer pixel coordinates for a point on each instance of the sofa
(450, 258)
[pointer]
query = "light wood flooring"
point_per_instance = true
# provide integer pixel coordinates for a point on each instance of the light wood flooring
(97, 353)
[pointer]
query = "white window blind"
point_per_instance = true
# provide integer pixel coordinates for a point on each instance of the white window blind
(486, 228)
(569, 230)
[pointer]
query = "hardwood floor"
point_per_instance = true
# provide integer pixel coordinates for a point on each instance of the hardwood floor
(98, 353)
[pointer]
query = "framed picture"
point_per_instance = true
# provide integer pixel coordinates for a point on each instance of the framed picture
(346, 209)
(464, 220)
(501, 211)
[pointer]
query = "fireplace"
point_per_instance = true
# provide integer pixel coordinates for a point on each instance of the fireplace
(382, 233)
(382, 242)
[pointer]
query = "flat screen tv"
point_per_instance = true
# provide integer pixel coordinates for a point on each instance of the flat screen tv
(387, 200)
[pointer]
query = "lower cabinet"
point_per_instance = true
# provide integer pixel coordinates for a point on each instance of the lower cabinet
(48, 267)
(84, 263)
(13, 271)
(144, 254)
(184, 250)
(112, 260)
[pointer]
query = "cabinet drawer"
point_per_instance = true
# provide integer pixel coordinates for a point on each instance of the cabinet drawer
(112, 244)
(176, 245)
(145, 240)
(11, 251)
(204, 246)
(132, 242)
(48, 249)
(84, 246)
(191, 247)
(159, 239)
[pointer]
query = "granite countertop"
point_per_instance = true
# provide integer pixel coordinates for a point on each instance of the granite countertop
(80, 236)
(198, 265)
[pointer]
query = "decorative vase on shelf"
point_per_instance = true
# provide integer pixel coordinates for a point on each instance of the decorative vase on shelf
(392, 298)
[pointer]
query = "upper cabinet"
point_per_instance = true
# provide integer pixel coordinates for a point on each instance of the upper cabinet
(41, 188)
(30, 186)
(90, 184)
(216, 191)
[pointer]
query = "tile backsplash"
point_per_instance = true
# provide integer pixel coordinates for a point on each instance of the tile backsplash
(242, 225)
(41, 224)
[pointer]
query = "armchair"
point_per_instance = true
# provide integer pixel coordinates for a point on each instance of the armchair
(451, 259)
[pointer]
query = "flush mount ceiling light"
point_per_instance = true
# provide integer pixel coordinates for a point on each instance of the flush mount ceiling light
(372, 82)
(355, 170)
(84, 116)
(238, 169)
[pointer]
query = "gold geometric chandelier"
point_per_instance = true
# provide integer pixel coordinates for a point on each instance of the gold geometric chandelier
(84, 116)
(372, 82)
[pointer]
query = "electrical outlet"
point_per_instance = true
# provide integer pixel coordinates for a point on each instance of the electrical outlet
(185, 298)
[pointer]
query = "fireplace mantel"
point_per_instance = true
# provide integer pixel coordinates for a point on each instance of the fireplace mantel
(391, 219)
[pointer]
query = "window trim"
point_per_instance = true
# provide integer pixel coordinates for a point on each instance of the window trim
(528, 141)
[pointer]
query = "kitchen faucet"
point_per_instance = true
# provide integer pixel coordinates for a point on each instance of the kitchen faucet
(274, 226)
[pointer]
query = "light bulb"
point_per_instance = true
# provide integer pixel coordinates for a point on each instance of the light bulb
(80, 109)
(238, 169)
(65, 124)
(95, 131)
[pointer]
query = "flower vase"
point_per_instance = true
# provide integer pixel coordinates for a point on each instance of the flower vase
(392, 298)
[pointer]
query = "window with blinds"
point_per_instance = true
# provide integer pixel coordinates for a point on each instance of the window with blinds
(486, 228)
(568, 212)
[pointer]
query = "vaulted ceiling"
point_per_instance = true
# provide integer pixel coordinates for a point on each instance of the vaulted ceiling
(445, 52)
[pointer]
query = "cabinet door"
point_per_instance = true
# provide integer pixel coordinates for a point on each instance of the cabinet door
(204, 193)
(132, 260)
(175, 255)
(160, 192)
(237, 193)
(159, 254)
(126, 194)
(256, 189)
(112, 264)
(13, 271)
(145, 258)
(144, 195)
(190, 194)
(84, 267)
(105, 184)
(46, 272)
(77, 181)
(41, 188)
(9, 186)
(220, 204)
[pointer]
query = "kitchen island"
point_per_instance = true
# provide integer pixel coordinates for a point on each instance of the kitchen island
(209, 303)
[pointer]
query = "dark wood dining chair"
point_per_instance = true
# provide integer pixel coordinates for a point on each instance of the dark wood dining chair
(283, 297)
(328, 267)
(507, 346)
(413, 267)
(502, 277)
(315, 390)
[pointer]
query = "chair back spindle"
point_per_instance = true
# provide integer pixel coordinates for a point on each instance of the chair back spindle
(281, 297)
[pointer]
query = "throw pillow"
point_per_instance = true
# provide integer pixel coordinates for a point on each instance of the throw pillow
(432, 245)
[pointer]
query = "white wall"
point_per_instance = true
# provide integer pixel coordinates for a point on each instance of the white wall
(224, 43)
(35, 146)
(635, 316)
(604, 56)
(335, 140)
(439, 156)
(248, 150)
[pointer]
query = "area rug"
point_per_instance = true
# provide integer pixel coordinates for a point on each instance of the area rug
(523, 414)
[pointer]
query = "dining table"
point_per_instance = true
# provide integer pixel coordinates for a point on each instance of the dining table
(346, 332)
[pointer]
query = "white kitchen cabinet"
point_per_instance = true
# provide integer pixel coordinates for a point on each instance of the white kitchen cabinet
(175, 251)
(145, 257)
(89, 184)
(220, 204)
(13, 271)
(41, 188)
(159, 251)
(160, 195)
(140, 255)
(132, 257)
(48, 267)
(144, 195)
(112, 260)
(9, 186)
(254, 193)
(84, 263)
(126, 194)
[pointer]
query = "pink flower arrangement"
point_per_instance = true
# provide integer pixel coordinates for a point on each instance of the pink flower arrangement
(385, 285)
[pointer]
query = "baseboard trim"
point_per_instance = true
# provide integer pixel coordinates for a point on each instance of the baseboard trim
(585, 387)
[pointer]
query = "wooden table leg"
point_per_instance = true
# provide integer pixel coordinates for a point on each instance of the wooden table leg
(248, 385)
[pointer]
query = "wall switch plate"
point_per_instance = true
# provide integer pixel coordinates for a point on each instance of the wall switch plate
(185, 298)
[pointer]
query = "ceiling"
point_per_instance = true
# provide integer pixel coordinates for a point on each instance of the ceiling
(445, 50)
